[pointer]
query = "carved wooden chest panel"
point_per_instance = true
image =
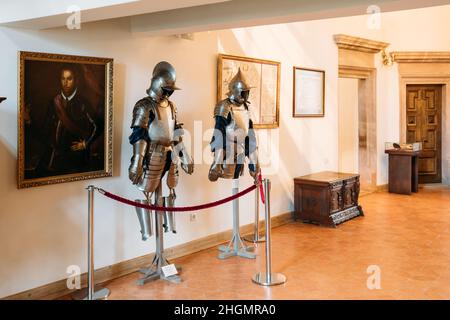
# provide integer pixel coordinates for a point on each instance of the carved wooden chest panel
(327, 198)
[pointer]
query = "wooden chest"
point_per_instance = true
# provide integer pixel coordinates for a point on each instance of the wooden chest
(327, 198)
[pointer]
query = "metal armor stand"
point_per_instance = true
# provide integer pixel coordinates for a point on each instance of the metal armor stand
(236, 246)
(154, 272)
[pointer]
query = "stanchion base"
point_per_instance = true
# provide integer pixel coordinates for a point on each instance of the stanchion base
(254, 239)
(155, 276)
(239, 249)
(152, 269)
(228, 253)
(274, 279)
(151, 274)
(100, 293)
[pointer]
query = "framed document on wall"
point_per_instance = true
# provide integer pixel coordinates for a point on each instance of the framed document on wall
(264, 78)
(309, 93)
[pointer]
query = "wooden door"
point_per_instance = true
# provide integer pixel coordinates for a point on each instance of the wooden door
(423, 116)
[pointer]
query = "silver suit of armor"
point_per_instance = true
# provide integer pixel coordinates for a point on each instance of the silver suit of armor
(234, 139)
(157, 144)
(228, 163)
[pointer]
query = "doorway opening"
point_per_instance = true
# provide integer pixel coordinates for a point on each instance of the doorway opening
(348, 125)
(357, 125)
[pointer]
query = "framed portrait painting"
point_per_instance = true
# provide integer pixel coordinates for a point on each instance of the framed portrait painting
(264, 78)
(65, 118)
(309, 93)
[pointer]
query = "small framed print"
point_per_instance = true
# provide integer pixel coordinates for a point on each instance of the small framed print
(309, 93)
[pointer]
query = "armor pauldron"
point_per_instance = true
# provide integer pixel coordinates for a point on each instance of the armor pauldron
(222, 109)
(141, 113)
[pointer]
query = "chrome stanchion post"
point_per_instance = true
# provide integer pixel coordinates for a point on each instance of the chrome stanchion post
(256, 237)
(268, 278)
(90, 243)
(91, 294)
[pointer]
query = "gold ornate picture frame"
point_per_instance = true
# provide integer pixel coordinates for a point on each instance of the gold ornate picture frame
(65, 118)
(264, 78)
(309, 93)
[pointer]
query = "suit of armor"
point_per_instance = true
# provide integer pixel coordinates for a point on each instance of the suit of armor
(157, 145)
(234, 140)
(234, 137)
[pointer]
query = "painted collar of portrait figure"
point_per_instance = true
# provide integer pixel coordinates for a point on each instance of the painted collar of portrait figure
(71, 96)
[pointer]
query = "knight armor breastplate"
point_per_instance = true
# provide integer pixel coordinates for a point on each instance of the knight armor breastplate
(238, 128)
(162, 128)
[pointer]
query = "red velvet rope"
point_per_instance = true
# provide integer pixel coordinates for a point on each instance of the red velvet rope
(261, 189)
(176, 209)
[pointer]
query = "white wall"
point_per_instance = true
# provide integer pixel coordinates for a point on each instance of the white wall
(348, 144)
(43, 230)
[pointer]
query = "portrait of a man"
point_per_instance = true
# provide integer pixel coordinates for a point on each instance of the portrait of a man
(64, 120)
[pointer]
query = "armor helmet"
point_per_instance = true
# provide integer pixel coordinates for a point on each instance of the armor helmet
(163, 81)
(238, 88)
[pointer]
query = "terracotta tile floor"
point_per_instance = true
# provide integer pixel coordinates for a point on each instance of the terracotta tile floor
(407, 237)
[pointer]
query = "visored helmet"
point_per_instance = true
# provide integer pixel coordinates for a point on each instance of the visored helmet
(238, 88)
(163, 81)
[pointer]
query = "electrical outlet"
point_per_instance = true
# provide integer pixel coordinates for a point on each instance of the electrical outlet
(193, 217)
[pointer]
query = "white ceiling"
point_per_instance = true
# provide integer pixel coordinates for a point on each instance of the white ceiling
(162, 17)
(44, 14)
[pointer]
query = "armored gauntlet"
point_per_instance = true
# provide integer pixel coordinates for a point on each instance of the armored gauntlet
(216, 171)
(253, 166)
(187, 163)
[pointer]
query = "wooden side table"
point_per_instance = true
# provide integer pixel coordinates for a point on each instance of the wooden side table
(403, 171)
